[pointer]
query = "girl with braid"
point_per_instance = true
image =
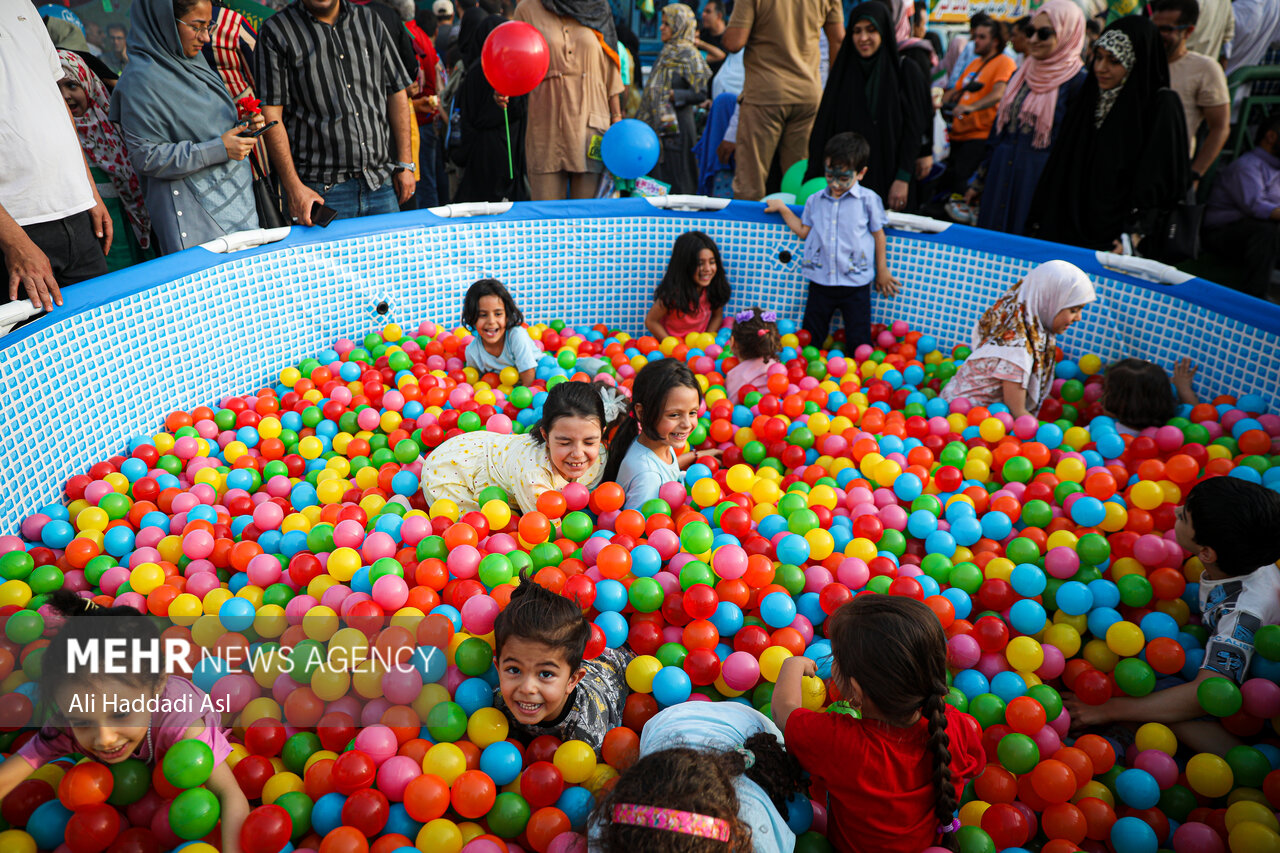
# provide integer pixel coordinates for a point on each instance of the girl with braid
(895, 774)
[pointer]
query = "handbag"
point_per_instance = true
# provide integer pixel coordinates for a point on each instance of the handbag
(267, 200)
(1177, 235)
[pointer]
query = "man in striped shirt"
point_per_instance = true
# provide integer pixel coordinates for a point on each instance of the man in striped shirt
(328, 72)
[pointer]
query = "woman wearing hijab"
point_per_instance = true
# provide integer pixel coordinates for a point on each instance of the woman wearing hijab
(65, 35)
(1122, 157)
(1013, 356)
(577, 101)
(679, 80)
(1031, 114)
(180, 127)
(871, 91)
(484, 168)
(117, 183)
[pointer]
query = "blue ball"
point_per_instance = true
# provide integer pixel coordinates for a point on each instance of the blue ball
(793, 550)
(1028, 580)
(474, 694)
(404, 483)
(1110, 445)
(1008, 686)
(778, 609)
(960, 600)
(236, 614)
(502, 762)
(971, 683)
(799, 813)
(671, 686)
(907, 486)
(576, 802)
(615, 628)
(430, 663)
(630, 149)
(1088, 511)
(921, 523)
(966, 531)
(1027, 616)
(1138, 788)
(611, 595)
(1131, 835)
(48, 824)
(398, 823)
(1074, 598)
(728, 617)
(996, 525)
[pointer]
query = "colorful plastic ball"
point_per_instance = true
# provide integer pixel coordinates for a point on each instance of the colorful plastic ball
(193, 813)
(1209, 775)
(671, 685)
(1219, 696)
(576, 761)
(1133, 835)
(85, 785)
(188, 763)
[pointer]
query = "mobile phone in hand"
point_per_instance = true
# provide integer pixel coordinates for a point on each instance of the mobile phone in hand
(321, 215)
(254, 134)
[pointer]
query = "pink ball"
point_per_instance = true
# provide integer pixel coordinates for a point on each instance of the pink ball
(402, 683)
(391, 592)
(666, 541)
(1193, 837)
(395, 774)
(894, 517)
(1054, 662)
(463, 561)
(263, 570)
(1162, 767)
(499, 423)
(481, 845)
(576, 495)
(392, 400)
(201, 584)
(414, 529)
(1261, 698)
(377, 742)
(673, 493)
(1048, 740)
(568, 842)
(197, 544)
(963, 651)
(1168, 438)
(479, 613)
(1062, 562)
(741, 671)
(367, 418)
(729, 562)
(267, 515)
(376, 546)
(349, 533)
(1149, 550)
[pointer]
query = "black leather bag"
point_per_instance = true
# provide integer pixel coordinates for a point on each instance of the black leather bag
(267, 200)
(1177, 235)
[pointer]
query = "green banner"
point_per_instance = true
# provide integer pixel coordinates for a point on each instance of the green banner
(254, 13)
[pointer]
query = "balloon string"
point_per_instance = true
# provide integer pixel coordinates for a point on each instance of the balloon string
(506, 123)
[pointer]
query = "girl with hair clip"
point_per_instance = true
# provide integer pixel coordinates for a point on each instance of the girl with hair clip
(755, 343)
(645, 451)
(566, 446)
(894, 776)
(93, 711)
(693, 291)
(711, 777)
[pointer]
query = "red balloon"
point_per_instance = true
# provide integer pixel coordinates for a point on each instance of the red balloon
(515, 58)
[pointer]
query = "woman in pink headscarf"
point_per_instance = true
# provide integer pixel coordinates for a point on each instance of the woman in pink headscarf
(1031, 112)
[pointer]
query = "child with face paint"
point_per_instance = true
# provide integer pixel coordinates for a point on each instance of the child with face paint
(844, 244)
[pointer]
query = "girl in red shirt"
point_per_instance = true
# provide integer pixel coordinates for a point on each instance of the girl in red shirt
(894, 776)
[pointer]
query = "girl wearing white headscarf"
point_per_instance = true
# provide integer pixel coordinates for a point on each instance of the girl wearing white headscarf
(1013, 356)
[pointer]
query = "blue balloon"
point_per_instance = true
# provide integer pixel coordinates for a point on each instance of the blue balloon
(630, 149)
(501, 761)
(671, 686)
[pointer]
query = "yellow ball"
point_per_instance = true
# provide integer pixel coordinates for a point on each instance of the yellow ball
(1156, 736)
(972, 811)
(771, 661)
(1094, 788)
(487, 726)
(443, 508)
(1089, 364)
(330, 685)
(319, 623)
(576, 761)
(392, 333)
(740, 478)
(279, 785)
(145, 578)
(344, 563)
(17, 841)
(1065, 638)
(289, 377)
(1253, 837)
(641, 671)
(185, 610)
(813, 693)
(446, 761)
(1024, 654)
(886, 471)
(991, 429)
(509, 376)
(1125, 639)
(765, 491)
(1210, 775)
(1248, 810)
(823, 496)
(1100, 655)
(821, 544)
(706, 492)
(439, 836)
(310, 447)
(1147, 495)
(497, 513)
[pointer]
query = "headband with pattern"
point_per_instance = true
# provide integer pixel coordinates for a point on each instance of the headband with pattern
(673, 820)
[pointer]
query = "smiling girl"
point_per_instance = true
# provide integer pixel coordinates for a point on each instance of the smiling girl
(1013, 356)
(85, 711)
(500, 338)
(645, 452)
(567, 446)
(693, 292)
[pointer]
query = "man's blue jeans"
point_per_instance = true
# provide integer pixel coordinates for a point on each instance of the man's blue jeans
(353, 198)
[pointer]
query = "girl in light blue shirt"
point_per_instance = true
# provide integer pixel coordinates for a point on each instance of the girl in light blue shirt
(645, 451)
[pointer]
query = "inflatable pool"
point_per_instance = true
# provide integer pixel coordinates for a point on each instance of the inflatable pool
(189, 329)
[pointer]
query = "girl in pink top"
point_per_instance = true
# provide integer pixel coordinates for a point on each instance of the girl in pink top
(93, 710)
(693, 292)
(756, 344)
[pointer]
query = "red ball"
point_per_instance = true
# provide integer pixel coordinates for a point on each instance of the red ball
(266, 830)
(541, 784)
(367, 810)
(92, 828)
(265, 736)
(353, 771)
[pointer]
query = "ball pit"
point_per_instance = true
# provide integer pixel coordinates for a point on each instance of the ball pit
(1043, 548)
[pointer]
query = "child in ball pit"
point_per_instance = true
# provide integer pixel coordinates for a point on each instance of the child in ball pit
(705, 771)
(1014, 353)
(500, 338)
(86, 712)
(1231, 527)
(894, 776)
(755, 343)
(693, 291)
(1136, 393)
(545, 687)
(644, 453)
(566, 446)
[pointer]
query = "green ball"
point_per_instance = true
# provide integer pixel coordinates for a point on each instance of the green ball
(298, 749)
(1022, 550)
(813, 842)
(131, 781)
(987, 709)
(753, 453)
(305, 659)
(695, 572)
(447, 722)
(1018, 753)
(972, 839)
(1135, 590)
(1017, 470)
(957, 700)
(1249, 766)
(698, 435)
(407, 450)
(793, 178)
(188, 763)
(1177, 802)
(432, 548)
(893, 541)
(545, 554)
(320, 538)
(801, 437)
(1036, 513)
(810, 187)
(24, 627)
(655, 506)
(1048, 698)
(299, 806)
(1267, 642)
(577, 526)
(509, 815)
(1134, 676)
(495, 570)
(16, 565)
(1093, 549)
(490, 493)
(789, 577)
(791, 502)
(802, 521)
(671, 654)
(879, 584)
(1219, 697)
(763, 694)
(646, 595)
(473, 657)
(520, 397)
(696, 538)
(193, 813)
(967, 577)
(1073, 390)
(116, 505)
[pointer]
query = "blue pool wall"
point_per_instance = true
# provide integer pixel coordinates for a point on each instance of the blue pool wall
(193, 328)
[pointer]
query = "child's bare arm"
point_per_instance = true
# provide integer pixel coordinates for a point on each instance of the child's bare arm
(788, 693)
(527, 376)
(1182, 376)
(885, 282)
(777, 205)
(235, 808)
(13, 770)
(653, 321)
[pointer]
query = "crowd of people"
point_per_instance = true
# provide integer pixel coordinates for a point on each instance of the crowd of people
(1076, 124)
